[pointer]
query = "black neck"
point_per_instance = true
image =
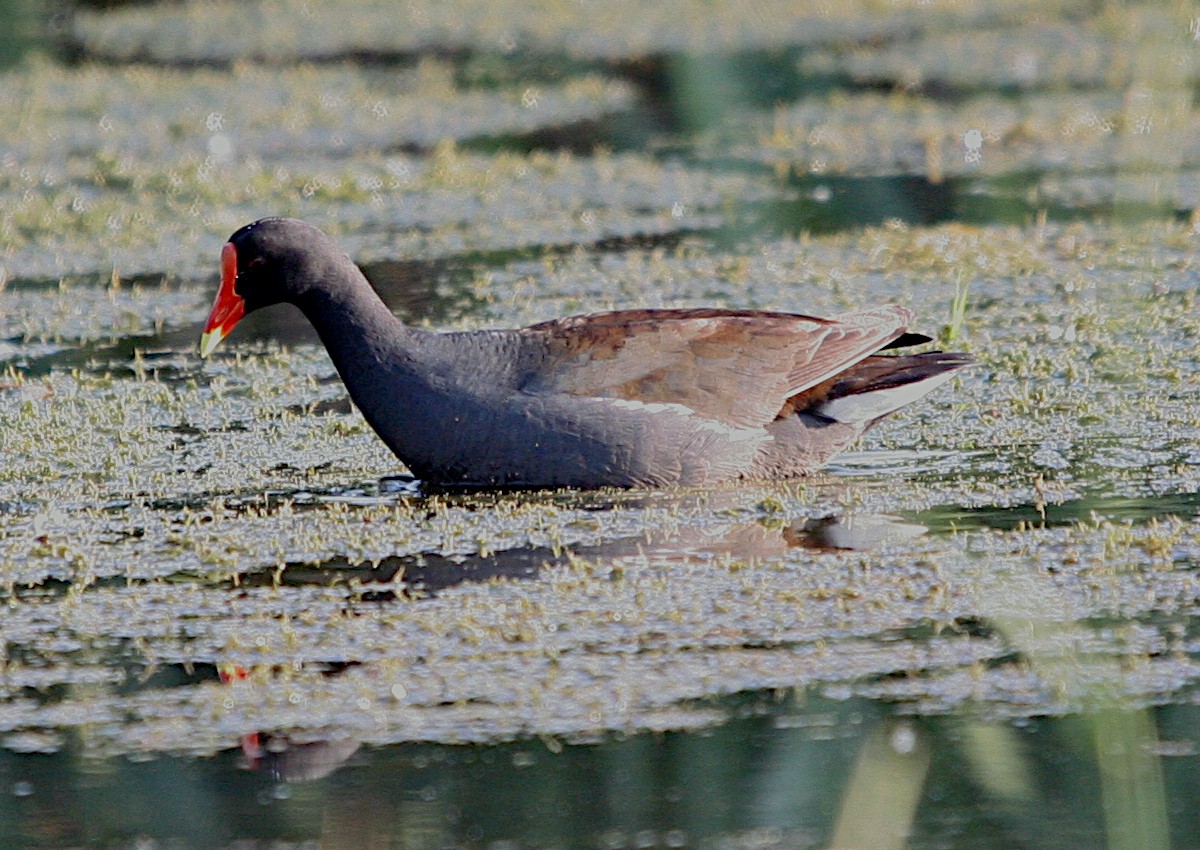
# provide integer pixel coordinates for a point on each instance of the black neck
(377, 355)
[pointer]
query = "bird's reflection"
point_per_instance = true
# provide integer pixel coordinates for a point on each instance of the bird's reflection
(424, 574)
(288, 761)
(751, 541)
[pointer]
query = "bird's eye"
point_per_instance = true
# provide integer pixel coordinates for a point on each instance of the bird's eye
(257, 261)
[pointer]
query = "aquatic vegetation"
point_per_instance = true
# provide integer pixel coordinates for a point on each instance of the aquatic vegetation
(128, 117)
(981, 135)
(288, 29)
(1112, 49)
(172, 217)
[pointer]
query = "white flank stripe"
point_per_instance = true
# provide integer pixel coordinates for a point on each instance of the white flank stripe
(731, 433)
(652, 406)
(735, 435)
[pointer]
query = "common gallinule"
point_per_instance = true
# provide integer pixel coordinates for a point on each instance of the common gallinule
(629, 398)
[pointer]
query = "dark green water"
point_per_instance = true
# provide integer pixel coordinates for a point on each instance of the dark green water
(776, 776)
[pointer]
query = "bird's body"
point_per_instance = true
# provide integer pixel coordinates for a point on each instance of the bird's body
(631, 398)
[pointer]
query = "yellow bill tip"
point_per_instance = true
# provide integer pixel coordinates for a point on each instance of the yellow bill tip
(210, 341)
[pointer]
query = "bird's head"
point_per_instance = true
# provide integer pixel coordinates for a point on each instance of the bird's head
(267, 262)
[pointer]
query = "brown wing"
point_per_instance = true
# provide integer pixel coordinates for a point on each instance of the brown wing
(733, 366)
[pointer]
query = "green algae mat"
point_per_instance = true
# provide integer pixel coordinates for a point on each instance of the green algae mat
(232, 619)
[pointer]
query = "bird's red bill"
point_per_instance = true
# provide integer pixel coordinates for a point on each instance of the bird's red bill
(229, 307)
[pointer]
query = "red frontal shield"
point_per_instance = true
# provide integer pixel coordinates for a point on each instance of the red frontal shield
(229, 307)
